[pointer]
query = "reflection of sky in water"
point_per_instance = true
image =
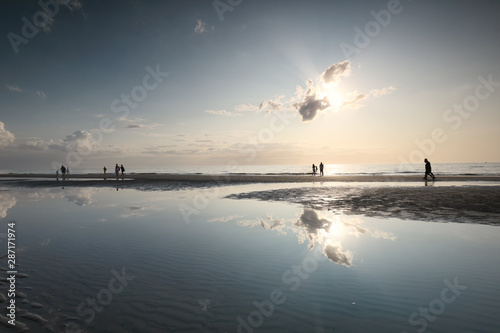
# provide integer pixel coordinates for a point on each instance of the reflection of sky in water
(204, 275)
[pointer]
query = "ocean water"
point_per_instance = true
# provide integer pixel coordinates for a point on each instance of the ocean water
(331, 169)
(108, 260)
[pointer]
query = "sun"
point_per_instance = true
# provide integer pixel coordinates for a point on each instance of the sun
(335, 99)
(333, 96)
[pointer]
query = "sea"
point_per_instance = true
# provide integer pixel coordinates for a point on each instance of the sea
(466, 169)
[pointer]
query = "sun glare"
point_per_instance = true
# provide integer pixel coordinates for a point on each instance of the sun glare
(335, 99)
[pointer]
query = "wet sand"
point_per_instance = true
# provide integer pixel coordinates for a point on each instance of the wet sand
(380, 196)
(477, 204)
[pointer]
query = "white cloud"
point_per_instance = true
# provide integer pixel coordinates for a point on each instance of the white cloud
(353, 99)
(200, 27)
(137, 123)
(41, 94)
(322, 94)
(12, 88)
(272, 105)
(39, 144)
(246, 108)
(6, 137)
(222, 113)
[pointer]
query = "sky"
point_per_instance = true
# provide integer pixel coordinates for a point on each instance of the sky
(240, 82)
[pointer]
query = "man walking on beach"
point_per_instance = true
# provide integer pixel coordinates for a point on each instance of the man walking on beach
(428, 170)
(321, 166)
(63, 171)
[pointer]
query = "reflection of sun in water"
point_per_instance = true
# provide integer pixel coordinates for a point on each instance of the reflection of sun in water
(334, 230)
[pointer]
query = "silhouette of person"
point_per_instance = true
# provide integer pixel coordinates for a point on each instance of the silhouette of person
(117, 171)
(57, 174)
(63, 171)
(314, 170)
(321, 166)
(122, 169)
(104, 169)
(428, 170)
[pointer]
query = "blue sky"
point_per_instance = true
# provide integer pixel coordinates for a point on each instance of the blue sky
(247, 82)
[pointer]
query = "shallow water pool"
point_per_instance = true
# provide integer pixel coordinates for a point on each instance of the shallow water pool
(102, 260)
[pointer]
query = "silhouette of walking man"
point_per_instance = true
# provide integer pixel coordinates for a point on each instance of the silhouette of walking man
(428, 170)
(321, 166)
(63, 171)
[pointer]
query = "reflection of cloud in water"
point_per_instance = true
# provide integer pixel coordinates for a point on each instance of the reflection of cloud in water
(335, 254)
(80, 196)
(138, 211)
(7, 201)
(269, 223)
(224, 219)
(318, 230)
(312, 224)
(204, 304)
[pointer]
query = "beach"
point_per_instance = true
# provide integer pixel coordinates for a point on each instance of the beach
(208, 253)
(452, 198)
(250, 178)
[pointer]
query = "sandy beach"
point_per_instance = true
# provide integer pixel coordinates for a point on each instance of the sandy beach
(475, 200)
(207, 272)
(247, 178)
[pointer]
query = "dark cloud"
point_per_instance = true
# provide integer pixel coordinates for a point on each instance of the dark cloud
(335, 254)
(335, 71)
(311, 103)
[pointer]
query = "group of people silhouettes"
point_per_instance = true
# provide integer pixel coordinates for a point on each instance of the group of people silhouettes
(315, 169)
(118, 168)
(428, 169)
(65, 172)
